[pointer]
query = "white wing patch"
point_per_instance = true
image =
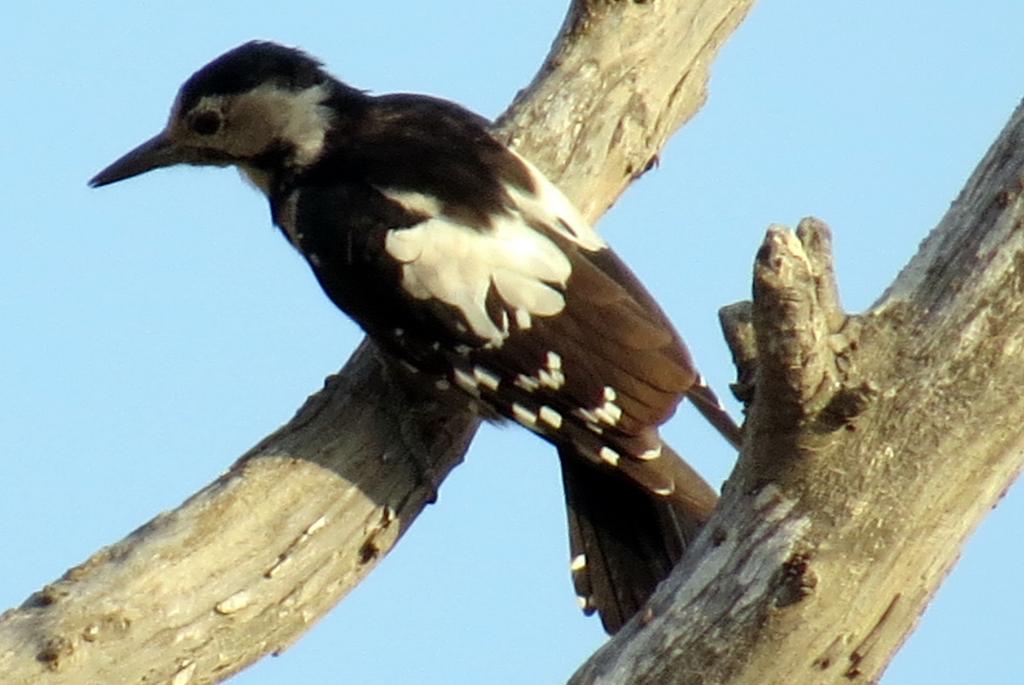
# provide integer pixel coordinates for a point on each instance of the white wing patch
(553, 208)
(267, 113)
(417, 203)
(458, 264)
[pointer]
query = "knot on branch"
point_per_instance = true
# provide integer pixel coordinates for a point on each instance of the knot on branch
(791, 344)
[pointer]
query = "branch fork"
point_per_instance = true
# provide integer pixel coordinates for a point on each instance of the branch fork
(793, 344)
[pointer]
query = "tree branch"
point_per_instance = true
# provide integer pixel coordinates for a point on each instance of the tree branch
(874, 446)
(247, 564)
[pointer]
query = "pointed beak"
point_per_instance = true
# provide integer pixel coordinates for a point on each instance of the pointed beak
(159, 151)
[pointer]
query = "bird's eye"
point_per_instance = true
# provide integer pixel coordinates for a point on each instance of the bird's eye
(205, 123)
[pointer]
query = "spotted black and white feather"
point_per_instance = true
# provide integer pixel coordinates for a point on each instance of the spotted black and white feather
(467, 265)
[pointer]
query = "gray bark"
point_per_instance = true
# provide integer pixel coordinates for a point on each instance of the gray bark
(875, 443)
(247, 564)
(874, 446)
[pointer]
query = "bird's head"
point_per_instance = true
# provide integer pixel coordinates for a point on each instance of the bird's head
(261, 106)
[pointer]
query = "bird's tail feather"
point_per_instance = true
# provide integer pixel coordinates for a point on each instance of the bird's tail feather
(623, 540)
(711, 408)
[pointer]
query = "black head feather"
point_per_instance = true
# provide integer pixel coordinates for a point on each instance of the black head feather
(250, 65)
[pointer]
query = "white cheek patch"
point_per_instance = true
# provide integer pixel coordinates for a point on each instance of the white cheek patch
(298, 118)
(306, 121)
(458, 265)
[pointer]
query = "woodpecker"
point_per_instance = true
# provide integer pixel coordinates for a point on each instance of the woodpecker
(464, 263)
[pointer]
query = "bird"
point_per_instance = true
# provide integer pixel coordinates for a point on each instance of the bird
(471, 270)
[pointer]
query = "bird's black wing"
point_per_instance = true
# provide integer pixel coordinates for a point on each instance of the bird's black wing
(462, 260)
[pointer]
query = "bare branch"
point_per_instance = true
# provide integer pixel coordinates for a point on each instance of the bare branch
(791, 324)
(875, 445)
(250, 562)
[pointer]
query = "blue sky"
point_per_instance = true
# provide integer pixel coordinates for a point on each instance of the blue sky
(155, 330)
